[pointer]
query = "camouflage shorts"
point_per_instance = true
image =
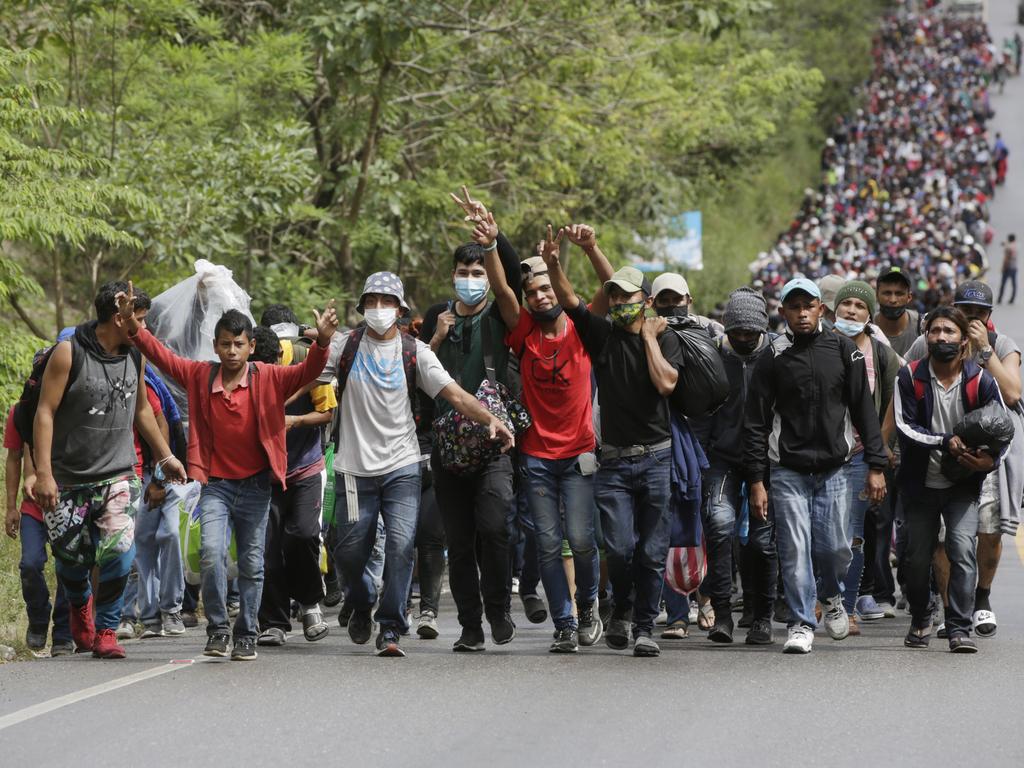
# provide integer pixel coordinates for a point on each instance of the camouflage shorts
(94, 523)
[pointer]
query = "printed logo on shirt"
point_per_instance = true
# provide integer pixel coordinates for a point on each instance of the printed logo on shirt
(857, 356)
(386, 374)
(547, 370)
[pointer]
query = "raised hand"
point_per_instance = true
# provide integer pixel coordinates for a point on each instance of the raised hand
(486, 231)
(551, 247)
(475, 210)
(126, 301)
(326, 324)
(582, 235)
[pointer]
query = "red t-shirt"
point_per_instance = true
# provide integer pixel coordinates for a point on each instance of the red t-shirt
(154, 402)
(556, 390)
(13, 442)
(237, 450)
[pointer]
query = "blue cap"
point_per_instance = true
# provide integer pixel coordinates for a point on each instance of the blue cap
(800, 284)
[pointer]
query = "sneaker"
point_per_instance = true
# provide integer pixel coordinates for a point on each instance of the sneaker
(534, 609)
(504, 629)
(272, 637)
(854, 626)
(35, 641)
(217, 645)
(941, 632)
(800, 640)
(721, 630)
(661, 619)
(470, 641)
(868, 609)
(694, 616)
(760, 633)
(313, 625)
(63, 648)
(344, 615)
(888, 610)
(780, 611)
(189, 619)
(961, 643)
(515, 585)
(984, 623)
(426, 625)
(150, 631)
(234, 609)
(837, 623)
(360, 627)
(173, 624)
(644, 647)
(590, 626)
(334, 595)
(677, 631)
(616, 636)
(387, 644)
(105, 645)
(566, 641)
(126, 630)
(244, 649)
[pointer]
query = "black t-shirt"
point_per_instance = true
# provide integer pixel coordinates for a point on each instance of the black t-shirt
(632, 410)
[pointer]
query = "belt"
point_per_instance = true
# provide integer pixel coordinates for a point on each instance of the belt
(628, 452)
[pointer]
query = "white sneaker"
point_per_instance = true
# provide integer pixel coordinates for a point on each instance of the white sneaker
(837, 623)
(888, 610)
(800, 640)
(126, 630)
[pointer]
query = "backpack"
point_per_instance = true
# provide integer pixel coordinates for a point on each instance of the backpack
(175, 425)
(970, 387)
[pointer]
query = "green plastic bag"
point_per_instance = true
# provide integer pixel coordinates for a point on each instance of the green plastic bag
(190, 537)
(328, 506)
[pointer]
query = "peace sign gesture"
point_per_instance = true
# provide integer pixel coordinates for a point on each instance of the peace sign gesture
(475, 210)
(551, 246)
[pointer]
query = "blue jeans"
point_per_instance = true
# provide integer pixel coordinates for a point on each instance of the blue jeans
(632, 495)
(677, 607)
(554, 487)
(811, 513)
(856, 475)
(161, 583)
(395, 498)
(34, 588)
(242, 505)
(522, 531)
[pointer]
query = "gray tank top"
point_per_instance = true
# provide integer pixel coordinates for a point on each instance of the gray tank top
(93, 429)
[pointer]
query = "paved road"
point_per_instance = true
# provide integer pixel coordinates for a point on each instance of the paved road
(865, 700)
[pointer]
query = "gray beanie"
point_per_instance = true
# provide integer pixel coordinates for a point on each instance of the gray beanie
(746, 310)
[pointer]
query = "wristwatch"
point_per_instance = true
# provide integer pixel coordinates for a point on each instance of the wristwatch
(984, 355)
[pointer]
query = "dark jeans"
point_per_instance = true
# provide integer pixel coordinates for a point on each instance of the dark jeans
(633, 497)
(878, 527)
(34, 588)
(292, 555)
(524, 535)
(959, 508)
(430, 547)
(476, 508)
(1009, 276)
(759, 561)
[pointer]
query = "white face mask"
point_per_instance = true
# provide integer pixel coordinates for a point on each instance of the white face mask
(381, 320)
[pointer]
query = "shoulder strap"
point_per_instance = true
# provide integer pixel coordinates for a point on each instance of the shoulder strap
(214, 370)
(347, 359)
(971, 387)
(485, 342)
(918, 384)
(409, 363)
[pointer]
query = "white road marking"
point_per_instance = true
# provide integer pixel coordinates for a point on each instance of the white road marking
(43, 708)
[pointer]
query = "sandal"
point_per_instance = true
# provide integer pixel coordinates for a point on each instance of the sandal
(915, 640)
(314, 627)
(706, 617)
(962, 644)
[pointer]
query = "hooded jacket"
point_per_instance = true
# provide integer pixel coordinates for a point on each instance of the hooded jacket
(724, 429)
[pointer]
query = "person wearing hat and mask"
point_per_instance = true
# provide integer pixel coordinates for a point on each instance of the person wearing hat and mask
(556, 453)
(807, 394)
(999, 510)
(895, 318)
(746, 339)
(637, 366)
(377, 464)
(855, 305)
(672, 299)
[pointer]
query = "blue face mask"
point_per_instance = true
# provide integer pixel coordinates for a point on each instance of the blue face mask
(848, 327)
(471, 290)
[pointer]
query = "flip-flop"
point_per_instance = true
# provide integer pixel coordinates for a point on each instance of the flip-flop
(984, 623)
(914, 640)
(706, 617)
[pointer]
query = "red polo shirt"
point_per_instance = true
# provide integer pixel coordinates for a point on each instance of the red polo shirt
(237, 451)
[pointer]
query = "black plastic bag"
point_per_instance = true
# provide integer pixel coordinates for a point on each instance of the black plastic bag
(703, 385)
(989, 428)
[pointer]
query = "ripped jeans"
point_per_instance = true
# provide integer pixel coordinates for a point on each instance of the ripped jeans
(856, 475)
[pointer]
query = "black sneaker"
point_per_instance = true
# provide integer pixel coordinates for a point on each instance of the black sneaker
(566, 641)
(645, 647)
(616, 636)
(360, 627)
(344, 615)
(534, 609)
(591, 628)
(217, 645)
(470, 641)
(760, 633)
(721, 632)
(244, 650)
(387, 644)
(504, 629)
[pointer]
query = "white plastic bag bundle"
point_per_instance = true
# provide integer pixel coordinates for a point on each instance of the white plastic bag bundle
(183, 317)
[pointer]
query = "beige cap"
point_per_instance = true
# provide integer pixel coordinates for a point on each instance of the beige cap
(829, 285)
(670, 281)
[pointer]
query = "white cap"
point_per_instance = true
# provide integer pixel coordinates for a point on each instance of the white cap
(670, 281)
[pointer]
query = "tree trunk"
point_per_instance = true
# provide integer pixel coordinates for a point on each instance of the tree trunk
(58, 288)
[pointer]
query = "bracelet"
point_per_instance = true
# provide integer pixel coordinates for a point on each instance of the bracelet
(492, 247)
(164, 460)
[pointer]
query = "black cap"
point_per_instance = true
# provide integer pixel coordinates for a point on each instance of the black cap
(898, 272)
(973, 292)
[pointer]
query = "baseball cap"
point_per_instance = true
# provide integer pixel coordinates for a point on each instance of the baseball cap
(670, 281)
(898, 272)
(629, 279)
(829, 285)
(533, 267)
(973, 292)
(385, 284)
(800, 284)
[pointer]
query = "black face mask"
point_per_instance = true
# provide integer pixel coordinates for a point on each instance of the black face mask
(548, 315)
(744, 347)
(944, 351)
(673, 311)
(893, 313)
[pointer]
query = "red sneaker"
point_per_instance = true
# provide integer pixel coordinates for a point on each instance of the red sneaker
(106, 647)
(83, 628)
